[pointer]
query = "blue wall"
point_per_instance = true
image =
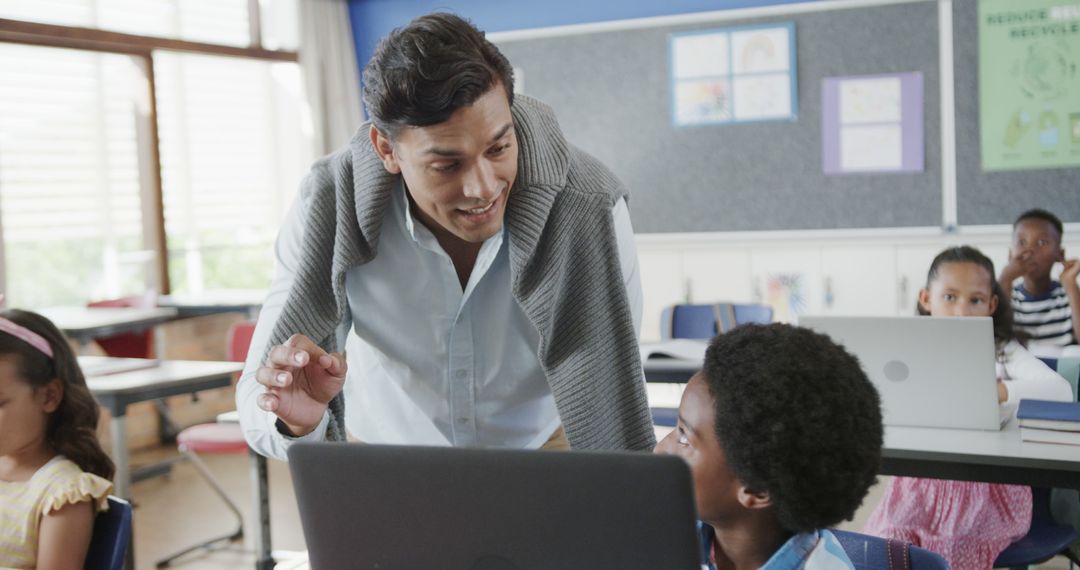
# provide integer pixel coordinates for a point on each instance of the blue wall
(374, 19)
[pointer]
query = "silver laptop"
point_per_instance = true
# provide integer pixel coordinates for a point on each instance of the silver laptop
(930, 371)
(390, 507)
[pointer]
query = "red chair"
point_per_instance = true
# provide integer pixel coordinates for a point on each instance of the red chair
(238, 340)
(217, 438)
(129, 345)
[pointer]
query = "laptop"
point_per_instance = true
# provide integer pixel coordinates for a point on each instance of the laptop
(930, 371)
(391, 507)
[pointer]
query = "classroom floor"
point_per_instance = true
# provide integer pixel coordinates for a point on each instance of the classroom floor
(175, 511)
(178, 510)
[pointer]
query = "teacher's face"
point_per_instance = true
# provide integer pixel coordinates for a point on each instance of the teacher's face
(459, 172)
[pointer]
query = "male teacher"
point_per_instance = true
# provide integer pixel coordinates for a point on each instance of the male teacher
(486, 266)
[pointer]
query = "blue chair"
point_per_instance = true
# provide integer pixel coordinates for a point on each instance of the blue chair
(1046, 538)
(688, 321)
(1069, 368)
(872, 553)
(111, 538)
(704, 322)
(667, 417)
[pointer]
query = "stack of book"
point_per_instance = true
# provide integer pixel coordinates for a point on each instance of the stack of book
(1049, 422)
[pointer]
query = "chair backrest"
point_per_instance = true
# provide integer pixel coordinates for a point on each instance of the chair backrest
(706, 321)
(752, 313)
(688, 321)
(1069, 368)
(128, 345)
(238, 340)
(111, 538)
(871, 553)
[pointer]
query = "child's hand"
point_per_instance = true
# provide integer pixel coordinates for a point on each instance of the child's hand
(300, 379)
(1071, 270)
(1019, 264)
(1003, 392)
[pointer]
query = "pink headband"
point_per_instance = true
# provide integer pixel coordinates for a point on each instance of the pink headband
(26, 335)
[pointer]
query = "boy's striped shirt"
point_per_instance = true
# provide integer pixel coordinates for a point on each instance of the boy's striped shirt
(1046, 318)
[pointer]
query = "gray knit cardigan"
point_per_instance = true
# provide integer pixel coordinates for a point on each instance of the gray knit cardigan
(565, 273)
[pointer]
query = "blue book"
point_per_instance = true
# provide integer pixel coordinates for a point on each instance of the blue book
(1046, 414)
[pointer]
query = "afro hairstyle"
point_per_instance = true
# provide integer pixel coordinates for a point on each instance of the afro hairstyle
(796, 417)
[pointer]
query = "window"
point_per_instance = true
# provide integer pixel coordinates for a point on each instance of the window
(70, 201)
(224, 22)
(233, 151)
(81, 148)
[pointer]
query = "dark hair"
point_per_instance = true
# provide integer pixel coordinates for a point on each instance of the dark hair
(1040, 214)
(422, 73)
(796, 417)
(1004, 331)
(72, 428)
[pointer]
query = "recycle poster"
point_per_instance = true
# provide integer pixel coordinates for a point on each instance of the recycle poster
(1029, 83)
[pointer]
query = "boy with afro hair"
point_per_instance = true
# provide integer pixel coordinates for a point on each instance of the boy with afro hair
(782, 431)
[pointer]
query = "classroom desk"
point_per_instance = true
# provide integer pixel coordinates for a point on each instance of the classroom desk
(670, 370)
(117, 391)
(973, 455)
(248, 302)
(264, 560)
(939, 453)
(84, 324)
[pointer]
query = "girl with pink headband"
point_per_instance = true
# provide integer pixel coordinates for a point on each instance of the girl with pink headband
(54, 475)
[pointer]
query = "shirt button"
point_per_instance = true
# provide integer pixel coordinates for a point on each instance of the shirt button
(460, 374)
(463, 420)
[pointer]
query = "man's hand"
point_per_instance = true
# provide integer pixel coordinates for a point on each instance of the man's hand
(300, 378)
(1019, 264)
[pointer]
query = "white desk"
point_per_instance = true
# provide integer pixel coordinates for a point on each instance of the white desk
(670, 370)
(987, 456)
(937, 453)
(117, 391)
(245, 301)
(84, 324)
(264, 558)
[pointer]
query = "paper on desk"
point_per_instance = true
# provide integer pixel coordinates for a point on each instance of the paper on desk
(104, 365)
(681, 348)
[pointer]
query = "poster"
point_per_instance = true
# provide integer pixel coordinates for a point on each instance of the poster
(872, 123)
(732, 75)
(785, 296)
(1029, 83)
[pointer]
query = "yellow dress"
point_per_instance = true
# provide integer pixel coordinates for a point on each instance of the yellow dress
(22, 504)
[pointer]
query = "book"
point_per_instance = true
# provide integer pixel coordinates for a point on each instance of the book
(1050, 436)
(1046, 414)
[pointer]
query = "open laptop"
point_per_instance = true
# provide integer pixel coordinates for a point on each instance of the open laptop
(390, 507)
(930, 371)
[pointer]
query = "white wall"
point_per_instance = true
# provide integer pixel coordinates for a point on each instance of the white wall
(844, 272)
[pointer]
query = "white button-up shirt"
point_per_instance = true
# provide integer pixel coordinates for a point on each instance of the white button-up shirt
(430, 363)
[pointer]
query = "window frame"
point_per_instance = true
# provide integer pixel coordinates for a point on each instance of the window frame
(143, 48)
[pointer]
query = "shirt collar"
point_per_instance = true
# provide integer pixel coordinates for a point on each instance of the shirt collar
(794, 553)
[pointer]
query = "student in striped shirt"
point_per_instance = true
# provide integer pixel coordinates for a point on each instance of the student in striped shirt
(1047, 311)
